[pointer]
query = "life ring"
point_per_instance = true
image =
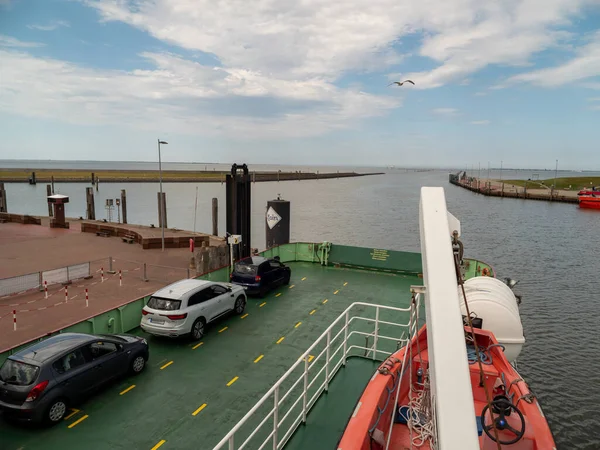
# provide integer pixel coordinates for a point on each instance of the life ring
(485, 272)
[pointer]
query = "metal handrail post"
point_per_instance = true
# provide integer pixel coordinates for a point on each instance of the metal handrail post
(376, 334)
(345, 336)
(275, 416)
(305, 393)
(231, 447)
(327, 361)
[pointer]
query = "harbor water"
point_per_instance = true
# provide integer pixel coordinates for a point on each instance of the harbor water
(551, 248)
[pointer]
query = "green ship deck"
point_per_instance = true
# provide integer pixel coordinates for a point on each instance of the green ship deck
(224, 372)
(193, 393)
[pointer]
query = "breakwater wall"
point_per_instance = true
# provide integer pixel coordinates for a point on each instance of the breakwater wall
(485, 188)
(152, 176)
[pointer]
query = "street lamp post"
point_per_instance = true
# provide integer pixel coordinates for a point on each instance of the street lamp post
(162, 209)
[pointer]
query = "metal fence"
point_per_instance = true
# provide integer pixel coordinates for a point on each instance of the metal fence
(36, 280)
(105, 267)
(286, 405)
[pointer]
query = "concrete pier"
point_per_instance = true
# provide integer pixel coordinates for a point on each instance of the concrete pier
(494, 188)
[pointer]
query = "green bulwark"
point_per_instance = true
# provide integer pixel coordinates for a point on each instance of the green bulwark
(376, 259)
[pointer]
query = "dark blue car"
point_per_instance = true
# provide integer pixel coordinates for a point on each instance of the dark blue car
(259, 275)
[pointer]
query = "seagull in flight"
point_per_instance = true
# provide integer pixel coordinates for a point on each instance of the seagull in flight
(400, 83)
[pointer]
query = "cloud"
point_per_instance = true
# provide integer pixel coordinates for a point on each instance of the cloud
(480, 122)
(445, 111)
(182, 96)
(586, 64)
(50, 26)
(321, 38)
(8, 41)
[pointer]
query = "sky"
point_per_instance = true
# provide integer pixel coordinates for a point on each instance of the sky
(303, 81)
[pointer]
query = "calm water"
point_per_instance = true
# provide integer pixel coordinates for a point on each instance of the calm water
(551, 248)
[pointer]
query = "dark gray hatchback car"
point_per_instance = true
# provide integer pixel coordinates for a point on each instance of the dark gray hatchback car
(39, 382)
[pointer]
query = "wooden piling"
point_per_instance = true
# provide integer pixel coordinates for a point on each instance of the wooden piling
(90, 206)
(124, 205)
(48, 194)
(215, 216)
(3, 207)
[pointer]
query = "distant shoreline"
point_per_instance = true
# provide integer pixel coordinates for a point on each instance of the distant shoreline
(152, 176)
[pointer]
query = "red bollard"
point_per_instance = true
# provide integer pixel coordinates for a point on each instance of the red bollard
(66, 295)
(120, 278)
(46, 288)
(102, 273)
(86, 298)
(15, 319)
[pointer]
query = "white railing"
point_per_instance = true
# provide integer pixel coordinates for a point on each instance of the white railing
(275, 426)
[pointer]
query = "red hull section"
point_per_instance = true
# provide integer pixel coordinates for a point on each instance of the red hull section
(369, 426)
(589, 202)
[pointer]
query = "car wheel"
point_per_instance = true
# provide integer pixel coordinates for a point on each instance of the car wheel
(198, 329)
(138, 364)
(262, 292)
(240, 305)
(287, 280)
(56, 411)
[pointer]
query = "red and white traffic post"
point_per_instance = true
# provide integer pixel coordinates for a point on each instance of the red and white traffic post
(86, 298)
(66, 295)
(45, 289)
(102, 273)
(15, 319)
(120, 278)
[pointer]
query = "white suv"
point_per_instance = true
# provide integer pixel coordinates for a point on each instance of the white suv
(187, 306)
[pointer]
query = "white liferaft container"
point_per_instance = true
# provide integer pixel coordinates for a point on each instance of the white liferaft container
(494, 302)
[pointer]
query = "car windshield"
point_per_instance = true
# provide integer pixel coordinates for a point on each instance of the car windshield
(164, 304)
(19, 373)
(245, 269)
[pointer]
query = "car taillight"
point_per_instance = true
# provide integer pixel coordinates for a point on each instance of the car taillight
(257, 278)
(36, 391)
(231, 276)
(177, 316)
(144, 312)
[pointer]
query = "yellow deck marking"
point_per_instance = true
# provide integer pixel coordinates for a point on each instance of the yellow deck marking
(223, 329)
(166, 365)
(298, 324)
(280, 340)
(346, 283)
(75, 411)
(197, 345)
(195, 413)
(292, 286)
(244, 316)
(312, 312)
(325, 301)
(158, 445)
(78, 421)
(233, 380)
(258, 359)
(127, 390)
(262, 304)
(278, 294)
(304, 278)
(335, 293)
(310, 358)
